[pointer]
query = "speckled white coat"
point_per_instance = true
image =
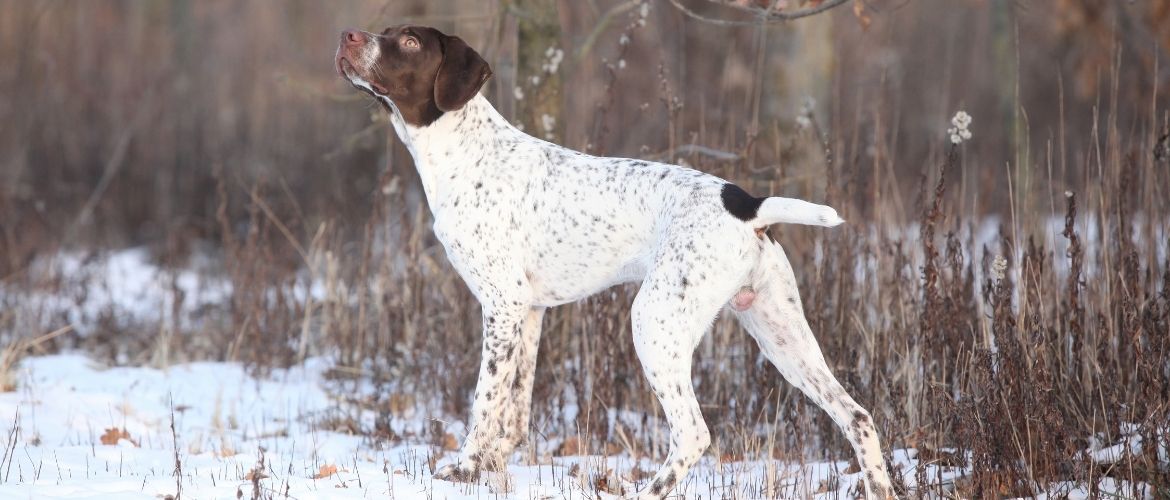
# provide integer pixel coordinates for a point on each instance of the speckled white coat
(531, 225)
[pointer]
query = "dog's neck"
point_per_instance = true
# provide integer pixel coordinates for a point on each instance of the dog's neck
(454, 142)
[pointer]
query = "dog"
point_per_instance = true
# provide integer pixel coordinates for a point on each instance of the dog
(530, 225)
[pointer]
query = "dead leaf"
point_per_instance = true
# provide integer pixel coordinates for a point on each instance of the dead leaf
(325, 471)
(830, 484)
(255, 475)
(603, 483)
(861, 13)
(729, 457)
(637, 474)
(449, 442)
(400, 404)
(569, 447)
(927, 455)
(114, 434)
(779, 453)
(1162, 149)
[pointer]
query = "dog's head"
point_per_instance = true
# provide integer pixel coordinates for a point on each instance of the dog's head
(421, 70)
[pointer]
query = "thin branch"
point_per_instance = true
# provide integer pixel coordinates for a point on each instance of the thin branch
(764, 16)
(280, 226)
(695, 150)
(604, 23)
(113, 165)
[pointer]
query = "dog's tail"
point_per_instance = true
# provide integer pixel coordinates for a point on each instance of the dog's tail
(777, 210)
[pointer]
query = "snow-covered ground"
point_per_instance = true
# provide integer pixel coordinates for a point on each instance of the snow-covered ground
(74, 429)
(77, 430)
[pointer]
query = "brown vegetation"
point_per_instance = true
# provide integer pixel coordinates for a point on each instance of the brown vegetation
(1008, 298)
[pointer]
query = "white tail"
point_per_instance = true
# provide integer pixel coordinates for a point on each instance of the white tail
(777, 210)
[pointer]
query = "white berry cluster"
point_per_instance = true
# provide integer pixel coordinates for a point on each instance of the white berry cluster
(805, 115)
(553, 57)
(959, 132)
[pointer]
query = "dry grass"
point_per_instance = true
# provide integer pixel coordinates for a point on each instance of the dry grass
(995, 314)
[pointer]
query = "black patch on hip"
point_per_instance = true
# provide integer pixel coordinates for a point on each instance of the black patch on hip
(739, 203)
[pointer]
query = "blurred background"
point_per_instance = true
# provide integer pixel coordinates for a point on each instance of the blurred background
(118, 113)
(186, 180)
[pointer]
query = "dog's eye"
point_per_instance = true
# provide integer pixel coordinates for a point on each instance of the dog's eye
(410, 42)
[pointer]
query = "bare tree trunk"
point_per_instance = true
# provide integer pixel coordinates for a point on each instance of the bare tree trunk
(537, 68)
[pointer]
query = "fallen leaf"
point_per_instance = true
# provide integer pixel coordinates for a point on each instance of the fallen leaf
(325, 471)
(450, 443)
(114, 434)
(255, 475)
(830, 484)
(608, 483)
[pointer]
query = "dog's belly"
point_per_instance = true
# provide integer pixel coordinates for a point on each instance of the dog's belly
(561, 274)
(554, 289)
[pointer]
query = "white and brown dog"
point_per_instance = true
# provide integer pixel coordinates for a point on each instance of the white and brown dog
(531, 225)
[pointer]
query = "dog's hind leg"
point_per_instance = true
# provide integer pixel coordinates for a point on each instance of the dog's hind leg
(672, 311)
(663, 340)
(775, 319)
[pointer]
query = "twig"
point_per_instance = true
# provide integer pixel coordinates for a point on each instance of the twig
(697, 150)
(765, 16)
(348, 143)
(9, 454)
(384, 13)
(280, 226)
(113, 165)
(175, 445)
(604, 23)
(48, 336)
(11, 354)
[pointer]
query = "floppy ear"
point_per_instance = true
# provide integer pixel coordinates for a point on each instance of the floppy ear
(460, 76)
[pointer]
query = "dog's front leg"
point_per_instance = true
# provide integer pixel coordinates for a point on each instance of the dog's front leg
(518, 408)
(502, 342)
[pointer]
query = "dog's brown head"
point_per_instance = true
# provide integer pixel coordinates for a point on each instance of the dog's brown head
(423, 71)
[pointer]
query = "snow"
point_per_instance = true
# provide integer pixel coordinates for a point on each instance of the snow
(1130, 444)
(225, 418)
(124, 284)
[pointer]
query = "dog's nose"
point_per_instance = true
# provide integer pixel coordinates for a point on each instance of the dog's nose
(352, 37)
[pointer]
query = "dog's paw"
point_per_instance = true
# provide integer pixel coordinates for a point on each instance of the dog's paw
(457, 473)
